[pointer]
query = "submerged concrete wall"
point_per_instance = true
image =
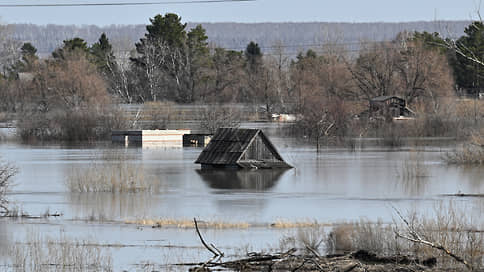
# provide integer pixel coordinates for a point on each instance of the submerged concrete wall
(141, 137)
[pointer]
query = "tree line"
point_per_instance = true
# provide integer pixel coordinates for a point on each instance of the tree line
(173, 63)
(295, 36)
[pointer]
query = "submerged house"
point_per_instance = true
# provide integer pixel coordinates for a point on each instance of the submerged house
(240, 148)
(165, 137)
(389, 106)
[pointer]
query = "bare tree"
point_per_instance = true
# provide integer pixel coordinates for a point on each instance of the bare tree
(323, 118)
(278, 63)
(118, 77)
(7, 172)
(9, 49)
(217, 116)
(404, 67)
(67, 100)
(374, 71)
(154, 56)
(423, 73)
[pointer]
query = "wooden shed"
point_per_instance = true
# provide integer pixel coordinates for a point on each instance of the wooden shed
(240, 148)
(390, 106)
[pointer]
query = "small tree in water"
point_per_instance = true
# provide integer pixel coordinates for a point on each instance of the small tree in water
(7, 172)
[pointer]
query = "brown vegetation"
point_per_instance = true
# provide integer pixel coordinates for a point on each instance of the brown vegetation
(217, 116)
(115, 176)
(67, 100)
(44, 253)
(451, 230)
(188, 223)
(157, 115)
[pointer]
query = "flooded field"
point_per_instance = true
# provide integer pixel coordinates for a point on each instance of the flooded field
(333, 186)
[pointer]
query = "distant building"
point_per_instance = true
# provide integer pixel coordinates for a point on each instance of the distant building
(26, 77)
(388, 107)
(240, 148)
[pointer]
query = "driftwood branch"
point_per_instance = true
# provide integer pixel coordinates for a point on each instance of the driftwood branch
(314, 252)
(215, 251)
(416, 238)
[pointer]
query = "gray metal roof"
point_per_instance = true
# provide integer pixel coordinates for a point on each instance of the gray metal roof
(229, 144)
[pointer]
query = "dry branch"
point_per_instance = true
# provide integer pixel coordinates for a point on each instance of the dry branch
(215, 251)
(417, 238)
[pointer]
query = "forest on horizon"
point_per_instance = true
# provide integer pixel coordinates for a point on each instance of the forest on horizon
(294, 37)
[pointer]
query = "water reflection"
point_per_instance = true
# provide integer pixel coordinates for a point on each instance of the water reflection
(412, 186)
(109, 206)
(5, 236)
(474, 175)
(252, 180)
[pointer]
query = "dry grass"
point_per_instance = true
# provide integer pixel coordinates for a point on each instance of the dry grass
(286, 224)
(451, 228)
(456, 230)
(471, 153)
(375, 237)
(44, 253)
(188, 223)
(118, 176)
(311, 237)
(467, 155)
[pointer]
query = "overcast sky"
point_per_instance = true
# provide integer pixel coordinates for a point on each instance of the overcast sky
(248, 12)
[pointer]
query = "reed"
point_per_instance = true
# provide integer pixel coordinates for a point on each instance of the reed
(46, 253)
(118, 176)
(469, 154)
(452, 228)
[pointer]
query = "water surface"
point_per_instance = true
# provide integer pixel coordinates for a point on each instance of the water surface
(335, 185)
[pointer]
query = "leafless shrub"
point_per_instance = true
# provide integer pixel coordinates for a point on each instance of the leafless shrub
(218, 116)
(451, 235)
(310, 238)
(471, 153)
(375, 237)
(87, 124)
(7, 172)
(157, 115)
(114, 176)
(44, 253)
(467, 155)
(324, 118)
(339, 239)
(67, 100)
(452, 228)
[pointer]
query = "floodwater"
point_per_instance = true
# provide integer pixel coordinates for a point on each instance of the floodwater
(333, 186)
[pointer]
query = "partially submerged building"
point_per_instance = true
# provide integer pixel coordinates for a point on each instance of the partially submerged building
(388, 106)
(168, 138)
(240, 148)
